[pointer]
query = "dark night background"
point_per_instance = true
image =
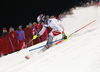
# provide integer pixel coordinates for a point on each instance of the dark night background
(21, 12)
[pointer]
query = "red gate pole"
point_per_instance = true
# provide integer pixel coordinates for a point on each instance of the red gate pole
(81, 28)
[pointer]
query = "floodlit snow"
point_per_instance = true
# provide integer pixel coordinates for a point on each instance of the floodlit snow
(80, 53)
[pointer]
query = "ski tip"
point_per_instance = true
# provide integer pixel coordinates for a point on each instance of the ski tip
(27, 57)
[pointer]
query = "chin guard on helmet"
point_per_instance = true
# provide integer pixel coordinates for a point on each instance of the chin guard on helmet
(40, 18)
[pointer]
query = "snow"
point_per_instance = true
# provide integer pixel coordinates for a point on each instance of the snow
(80, 53)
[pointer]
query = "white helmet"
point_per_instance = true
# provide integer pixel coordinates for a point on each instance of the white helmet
(40, 18)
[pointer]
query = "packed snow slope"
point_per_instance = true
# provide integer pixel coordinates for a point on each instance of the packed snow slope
(80, 53)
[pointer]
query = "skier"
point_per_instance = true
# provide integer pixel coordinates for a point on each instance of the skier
(52, 23)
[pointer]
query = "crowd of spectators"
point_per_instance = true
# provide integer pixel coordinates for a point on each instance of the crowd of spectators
(85, 3)
(5, 31)
(36, 27)
(88, 3)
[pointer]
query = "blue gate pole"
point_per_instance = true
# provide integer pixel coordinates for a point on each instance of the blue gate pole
(11, 44)
(37, 33)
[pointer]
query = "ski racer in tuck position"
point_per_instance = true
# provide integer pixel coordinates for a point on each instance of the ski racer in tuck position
(52, 23)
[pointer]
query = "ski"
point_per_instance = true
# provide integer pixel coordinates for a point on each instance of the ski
(56, 42)
(45, 45)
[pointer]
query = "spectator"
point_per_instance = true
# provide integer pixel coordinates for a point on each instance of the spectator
(30, 25)
(64, 13)
(92, 3)
(34, 24)
(28, 36)
(70, 11)
(67, 13)
(81, 3)
(59, 17)
(33, 30)
(20, 34)
(27, 26)
(38, 27)
(11, 30)
(87, 4)
(84, 5)
(4, 31)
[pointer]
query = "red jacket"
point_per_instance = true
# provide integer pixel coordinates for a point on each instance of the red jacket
(33, 31)
(39, 27)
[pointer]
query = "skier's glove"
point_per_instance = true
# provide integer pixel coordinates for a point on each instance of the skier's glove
(64, 37)
(35, 36)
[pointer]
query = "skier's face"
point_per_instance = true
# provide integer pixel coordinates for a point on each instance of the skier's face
(42, 23)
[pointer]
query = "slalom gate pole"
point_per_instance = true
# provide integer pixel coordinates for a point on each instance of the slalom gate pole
(37, 33)
(82, 28)
(28, 42)
(25, 45)
(75, 32)
(11, 44)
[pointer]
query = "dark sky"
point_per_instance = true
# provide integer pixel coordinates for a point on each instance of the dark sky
(21, 12)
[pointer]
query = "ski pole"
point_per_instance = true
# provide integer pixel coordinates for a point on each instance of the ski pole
(28, 42)
(82, 28)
